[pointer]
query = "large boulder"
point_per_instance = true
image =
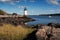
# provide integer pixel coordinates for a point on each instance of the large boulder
(40, 34)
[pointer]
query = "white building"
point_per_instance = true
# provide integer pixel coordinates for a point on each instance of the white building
(25, 11)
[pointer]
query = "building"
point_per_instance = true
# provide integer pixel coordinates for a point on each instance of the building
(25, 11)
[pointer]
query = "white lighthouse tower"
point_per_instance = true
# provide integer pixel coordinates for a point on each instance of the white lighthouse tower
(25, 11)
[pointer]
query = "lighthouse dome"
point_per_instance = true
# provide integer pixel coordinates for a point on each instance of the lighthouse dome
(25, 8)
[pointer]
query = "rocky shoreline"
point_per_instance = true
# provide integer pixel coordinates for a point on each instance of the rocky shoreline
(41, 30)
(45, 32)
(15, 20)
(48, 32)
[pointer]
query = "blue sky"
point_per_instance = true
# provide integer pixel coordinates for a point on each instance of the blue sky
(34, 7)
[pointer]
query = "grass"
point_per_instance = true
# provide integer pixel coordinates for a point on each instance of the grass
(10, 32)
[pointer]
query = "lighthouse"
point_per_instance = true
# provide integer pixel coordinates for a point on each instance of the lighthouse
(25, 11)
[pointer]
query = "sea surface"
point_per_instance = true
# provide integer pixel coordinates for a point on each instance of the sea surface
(43, 19)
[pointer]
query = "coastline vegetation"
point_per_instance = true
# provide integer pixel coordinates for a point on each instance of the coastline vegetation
(10, 32)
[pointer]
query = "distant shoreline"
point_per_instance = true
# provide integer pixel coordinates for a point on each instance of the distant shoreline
(50, 14)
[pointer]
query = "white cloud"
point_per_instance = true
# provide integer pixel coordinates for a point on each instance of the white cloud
(55, 2)
(21, 6)
(51, 10)
(18, 1)
(12, 2)
(9, 0)
(32, 0)
(5, 0)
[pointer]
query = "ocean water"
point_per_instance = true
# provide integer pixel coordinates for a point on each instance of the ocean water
(43, 19)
